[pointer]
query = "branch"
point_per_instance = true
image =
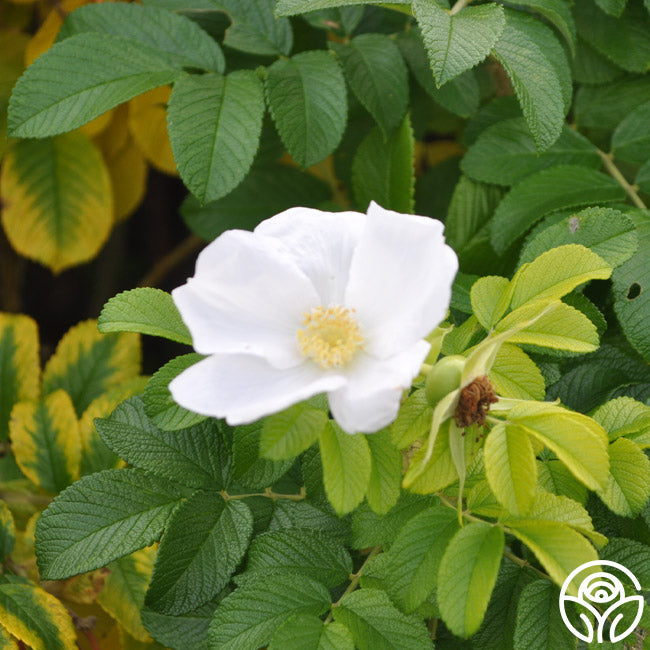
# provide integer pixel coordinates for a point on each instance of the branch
(614, 171)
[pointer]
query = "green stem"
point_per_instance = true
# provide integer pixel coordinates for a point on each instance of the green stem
(459, 6)
(522, 563)
(268, 493)
(614, 171)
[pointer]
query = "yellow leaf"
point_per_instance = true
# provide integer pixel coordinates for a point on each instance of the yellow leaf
(124, 590)
(45, 441)
(7, 642)
(148, 125)
(23, 553)
(96, 126)
(58, 202)
(20, 368)
(35, 617)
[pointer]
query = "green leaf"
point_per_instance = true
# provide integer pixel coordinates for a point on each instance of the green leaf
(291, 7)
(255, 29)
(87, 363)
(159, 405)
(311, 124)
(559, 548)
(557, 12)
(307, 632)
(305, 552)
(505, 153)
(631, 289)
(468, 572)
(624, 40)
(562, 186)
(20, 367)
(250, 469)
(162, 32)
(288, 433)
(623, 416)
(45, 441)
(79, 79)
(102, 517)
(628, 484)
(411, 570)
(144, 310)
(510, 467)
(265, 191)
(58, 200)
(591, 67)
(375, 623)
(413, 420)
(556, 478)
(346, 467)
(196, 457)
(382, 170)
(456, 43)
(35, 617)
(490, 297)
(538, 68)
(7, 531)
(630, 141)
(632, 555)
(607, 232)
(515, 374)
(612, 7)
(378, 77)
(248, 617)
(577, 440)
(214, 125)
(385, 472)
(203, 544)
(539, 625)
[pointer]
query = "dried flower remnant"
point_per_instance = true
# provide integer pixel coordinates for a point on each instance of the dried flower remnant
(474, 403)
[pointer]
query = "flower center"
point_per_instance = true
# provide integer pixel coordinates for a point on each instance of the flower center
(330, 336)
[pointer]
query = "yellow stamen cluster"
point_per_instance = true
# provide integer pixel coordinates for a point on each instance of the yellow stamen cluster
(330, 336)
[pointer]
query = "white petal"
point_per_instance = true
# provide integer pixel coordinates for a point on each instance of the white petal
(371, 398)
(247, 296)
(321, 244)
(243, 388)
(400, 279)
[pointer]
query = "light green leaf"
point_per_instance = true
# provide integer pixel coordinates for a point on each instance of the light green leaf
(468, 572)
(20, 368)
(612, 7)
(291, 7)
(159, 405)
(628, 484)
(630, 141)
(312, 123)
(288, 433)
(385, 472)
(375, 623)
(162, 32)
(100, 518)
(79, 79)
(539, 625)
(490, 298)
(505, 153)
(58, 200)
(382, 171)
(305, 552)
(249, 616)
(87, 363)
(378, 77)
(577, 440)
(607, 232)
(555, 477)
(196, 457)
(411, 571)
(456, 43)
(255, 29)
(557, 272)
(307, 632)
(346, 467)
(203, 543)
(510, 467)
(515, 374)
(146, 311)
(214, 126)
(45, 441)
(413, 420)
(624, 416)
(559, 548)
(538, 68)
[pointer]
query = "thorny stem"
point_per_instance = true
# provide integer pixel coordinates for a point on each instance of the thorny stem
(167, 263)
(354, 581)
(608, 161)
(459, 6)
(267, 493)
(523, 563)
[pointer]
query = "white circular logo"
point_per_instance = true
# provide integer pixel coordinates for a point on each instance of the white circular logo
(600, 595)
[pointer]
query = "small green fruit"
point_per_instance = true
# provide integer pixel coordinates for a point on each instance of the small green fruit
(444, 377)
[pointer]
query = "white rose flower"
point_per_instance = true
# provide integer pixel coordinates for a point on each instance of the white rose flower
(314, 302)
